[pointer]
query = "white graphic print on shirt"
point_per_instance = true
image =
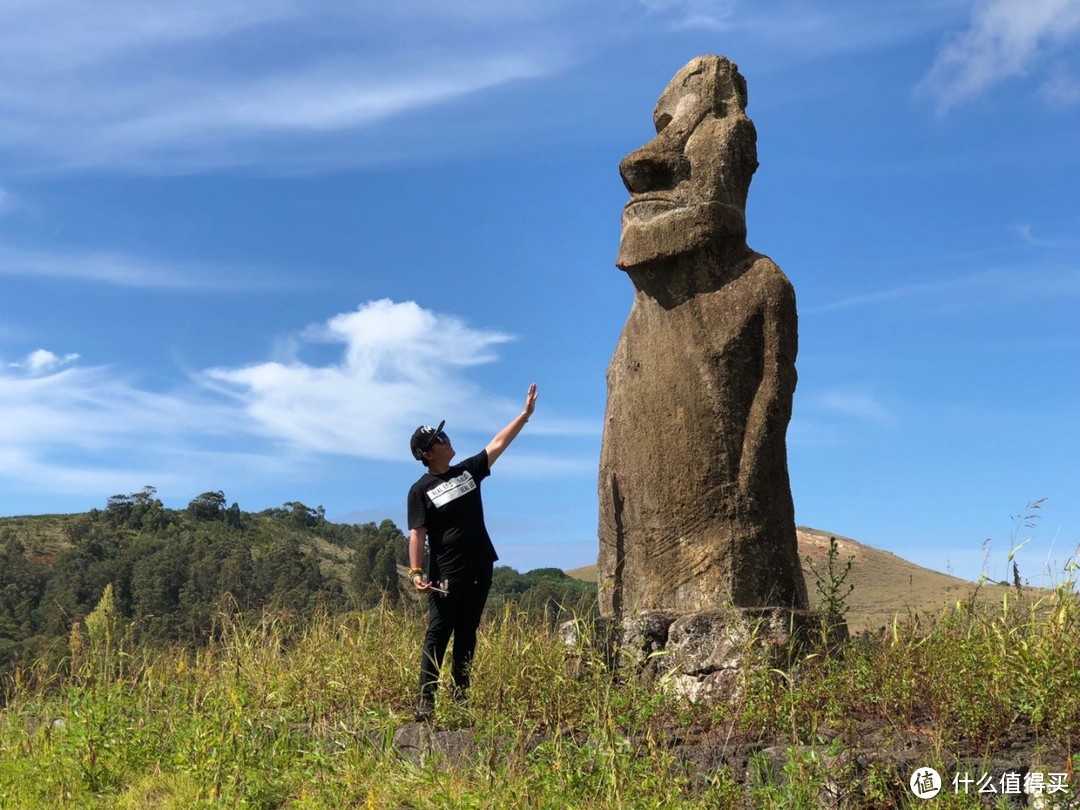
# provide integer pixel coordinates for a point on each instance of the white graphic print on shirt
(452, 489)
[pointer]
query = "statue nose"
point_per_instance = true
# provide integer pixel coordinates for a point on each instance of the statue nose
(653, 168)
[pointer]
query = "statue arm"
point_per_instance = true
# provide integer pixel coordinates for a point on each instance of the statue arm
(770, 412)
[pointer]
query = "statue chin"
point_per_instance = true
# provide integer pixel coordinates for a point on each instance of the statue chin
(648, 241)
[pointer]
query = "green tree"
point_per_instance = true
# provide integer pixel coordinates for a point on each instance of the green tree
(379, 551)
(304, 516)
(22, 587)
(207, 506)
(233, 517)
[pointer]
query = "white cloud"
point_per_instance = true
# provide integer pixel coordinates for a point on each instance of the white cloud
(41, 360)
(398, 362)
(1006, 38)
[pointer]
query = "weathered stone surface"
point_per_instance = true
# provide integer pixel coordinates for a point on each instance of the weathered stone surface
(420, 742)
(695, 502)
(704, 655)
(705, 642)
(642, 638)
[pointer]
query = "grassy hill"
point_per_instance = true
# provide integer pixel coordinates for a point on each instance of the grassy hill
(173, 572)
(885, 585)
(45, 537)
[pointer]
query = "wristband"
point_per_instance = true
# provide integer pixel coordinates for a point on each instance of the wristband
(414, 571)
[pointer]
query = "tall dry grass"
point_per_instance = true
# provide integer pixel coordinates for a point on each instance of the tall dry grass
(279, 714)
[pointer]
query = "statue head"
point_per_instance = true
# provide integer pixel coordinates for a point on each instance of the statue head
(688, 185)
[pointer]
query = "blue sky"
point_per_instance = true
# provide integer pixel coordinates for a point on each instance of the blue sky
(250, 246)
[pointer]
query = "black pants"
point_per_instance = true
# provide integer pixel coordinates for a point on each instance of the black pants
(458, 614)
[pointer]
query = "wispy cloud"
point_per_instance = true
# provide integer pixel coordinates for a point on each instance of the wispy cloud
(852, 403)
(58, 34)
(839, 415)
(126, 270)
(7, 201)
(1027, 236)
(793, 29)
(1062, 89)
(64, 423)
(324, 98)
(715, 14)
(1005, 39)
(289, 86)
(972, 289)
(57, 404)
(87, 430)
(41, 360)
(169, 87)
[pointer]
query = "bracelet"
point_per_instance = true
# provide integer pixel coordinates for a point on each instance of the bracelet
(415, 571)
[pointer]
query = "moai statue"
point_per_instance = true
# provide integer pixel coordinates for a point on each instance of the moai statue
(695, 503)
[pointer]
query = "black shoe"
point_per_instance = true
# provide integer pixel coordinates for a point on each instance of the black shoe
(425, 710)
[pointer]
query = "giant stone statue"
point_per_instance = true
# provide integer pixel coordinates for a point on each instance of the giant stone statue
(695, 504)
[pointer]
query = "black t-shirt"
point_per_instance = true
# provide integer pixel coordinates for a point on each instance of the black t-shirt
(450, 508)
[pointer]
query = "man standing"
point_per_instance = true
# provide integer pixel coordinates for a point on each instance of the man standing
(446, 511)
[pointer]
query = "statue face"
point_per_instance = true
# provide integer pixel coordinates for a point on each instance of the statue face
(688, 184)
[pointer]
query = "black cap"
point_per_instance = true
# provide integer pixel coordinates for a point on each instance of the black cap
(422, 439)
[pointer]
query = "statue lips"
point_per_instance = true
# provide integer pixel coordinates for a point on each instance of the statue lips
(648, 206)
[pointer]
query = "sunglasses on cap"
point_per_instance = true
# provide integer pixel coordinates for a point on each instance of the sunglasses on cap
(436, 436)
(439, 437)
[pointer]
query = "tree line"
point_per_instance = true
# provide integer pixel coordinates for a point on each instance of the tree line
(173, 572)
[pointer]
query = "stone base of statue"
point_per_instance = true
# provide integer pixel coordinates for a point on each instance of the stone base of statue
(703, 656)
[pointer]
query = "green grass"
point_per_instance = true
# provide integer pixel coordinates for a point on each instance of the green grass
(282, 715)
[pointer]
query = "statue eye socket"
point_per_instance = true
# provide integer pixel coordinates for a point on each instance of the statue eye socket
(661, 122)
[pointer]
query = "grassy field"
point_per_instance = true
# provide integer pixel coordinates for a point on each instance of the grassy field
(319, 716)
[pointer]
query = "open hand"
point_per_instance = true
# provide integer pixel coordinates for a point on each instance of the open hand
(530, 401)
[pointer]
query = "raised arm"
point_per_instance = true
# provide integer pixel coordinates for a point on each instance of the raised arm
(509, 433)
